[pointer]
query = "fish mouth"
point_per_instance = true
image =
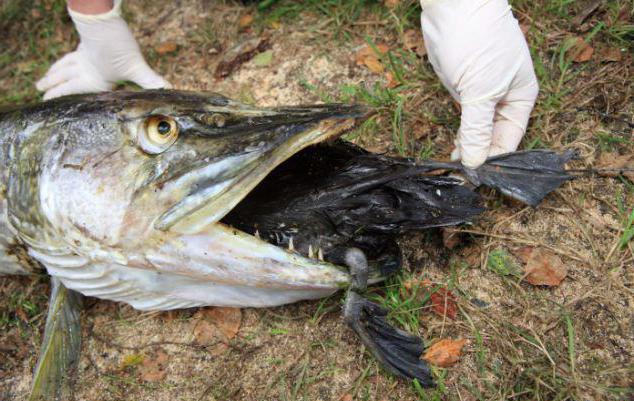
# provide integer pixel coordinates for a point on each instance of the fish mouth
(217, 187)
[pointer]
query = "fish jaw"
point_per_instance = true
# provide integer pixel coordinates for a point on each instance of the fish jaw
(218, 266)
(225, 255)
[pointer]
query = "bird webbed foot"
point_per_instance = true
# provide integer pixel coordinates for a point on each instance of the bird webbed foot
(398, 351)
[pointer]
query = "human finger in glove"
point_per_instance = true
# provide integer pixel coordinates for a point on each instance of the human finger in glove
(480, 54)
(107, 53)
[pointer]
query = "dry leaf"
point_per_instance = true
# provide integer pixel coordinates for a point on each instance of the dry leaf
(525, 27)
(374, 65)
(367, 50)
(346, 397)
(444, 303)
(414, 283)
(166, 47)
(615, 162)
(245, 21)
(392, 3)
(211, 325)
(543, 267)
(366, 56)
(610, 54)
(154, 369)
(413, 41)
(391, 82)
(580, 52)
(445, 353)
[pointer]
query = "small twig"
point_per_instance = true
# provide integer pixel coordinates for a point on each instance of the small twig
(112, 344)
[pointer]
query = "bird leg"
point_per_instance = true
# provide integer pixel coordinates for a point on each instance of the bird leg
(398, 351)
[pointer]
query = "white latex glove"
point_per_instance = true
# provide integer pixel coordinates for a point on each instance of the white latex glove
(107, 53)
(480, 54)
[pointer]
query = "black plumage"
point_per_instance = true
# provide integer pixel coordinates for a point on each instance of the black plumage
(339, 196)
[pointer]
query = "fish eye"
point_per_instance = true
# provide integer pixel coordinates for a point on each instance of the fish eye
(158, 133)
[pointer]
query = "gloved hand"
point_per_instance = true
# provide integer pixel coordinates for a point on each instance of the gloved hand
(107, 53)
(480, 54)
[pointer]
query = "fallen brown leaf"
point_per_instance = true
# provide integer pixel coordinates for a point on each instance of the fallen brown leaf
(367, 57)
(414, 283)
(213, 325)
(392, 3)
(374, 65)
(154, 368)
(445, 352)
(391, 82)
(580, 51)
(543, 267)
(413, 41)
(166, 47)
(245, 21)
(444, 303)
(610, 54)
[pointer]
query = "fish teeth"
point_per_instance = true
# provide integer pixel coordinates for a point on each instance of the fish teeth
(291, 247)
(310, 251)
(320, 254)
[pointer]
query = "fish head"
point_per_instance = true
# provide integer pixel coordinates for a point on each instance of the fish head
(124, 168)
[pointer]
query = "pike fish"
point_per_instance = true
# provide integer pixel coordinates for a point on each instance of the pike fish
(174, 199)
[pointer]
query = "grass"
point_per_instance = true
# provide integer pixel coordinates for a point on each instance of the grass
(37, 23)
(339, 16)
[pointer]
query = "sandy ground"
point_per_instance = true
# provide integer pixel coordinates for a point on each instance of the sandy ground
(304, 351)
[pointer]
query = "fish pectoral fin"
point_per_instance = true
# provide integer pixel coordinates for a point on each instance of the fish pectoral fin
(59, 354)
(397, 350)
